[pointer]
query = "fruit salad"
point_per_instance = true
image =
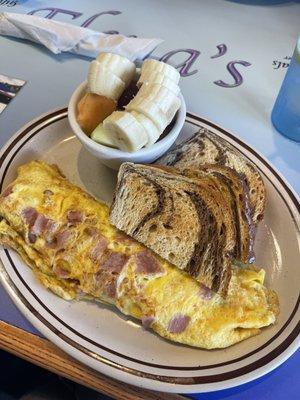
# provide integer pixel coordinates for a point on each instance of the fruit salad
(125, 108)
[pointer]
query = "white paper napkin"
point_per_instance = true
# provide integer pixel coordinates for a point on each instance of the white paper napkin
(59, 37)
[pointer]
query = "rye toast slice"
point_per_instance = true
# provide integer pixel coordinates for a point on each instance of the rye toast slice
(236, 193)
(187, 221)
(205, 147)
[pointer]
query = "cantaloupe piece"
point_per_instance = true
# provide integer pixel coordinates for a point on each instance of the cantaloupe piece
(92, 109)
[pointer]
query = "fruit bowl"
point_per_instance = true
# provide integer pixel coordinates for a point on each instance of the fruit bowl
(113, 158)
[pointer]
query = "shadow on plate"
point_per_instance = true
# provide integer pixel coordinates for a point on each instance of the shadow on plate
(98, 180)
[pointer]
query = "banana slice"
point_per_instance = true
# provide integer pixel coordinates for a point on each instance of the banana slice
(164, 99)
(137, 74)
(102, 136)
(160, 79)
(153, 132)
(118, 65)
(151, 66)
(148, 108)
(126, 131)
(104, 82)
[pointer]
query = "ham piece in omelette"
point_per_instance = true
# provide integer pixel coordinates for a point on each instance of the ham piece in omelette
(65, 236)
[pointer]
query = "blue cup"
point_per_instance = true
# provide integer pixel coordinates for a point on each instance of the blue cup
(286, 110)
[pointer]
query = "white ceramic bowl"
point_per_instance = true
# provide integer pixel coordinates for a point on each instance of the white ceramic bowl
(113, 158)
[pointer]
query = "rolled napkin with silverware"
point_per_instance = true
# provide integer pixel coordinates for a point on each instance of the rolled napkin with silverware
(61, 37)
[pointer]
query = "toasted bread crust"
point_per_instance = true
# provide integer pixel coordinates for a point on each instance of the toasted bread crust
(205, 147)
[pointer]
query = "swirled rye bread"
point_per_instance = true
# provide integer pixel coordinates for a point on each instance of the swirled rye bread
(236, 194)
(186, 220)
(205, 147)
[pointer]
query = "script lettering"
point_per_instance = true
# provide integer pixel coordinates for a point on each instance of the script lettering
(185, 66)
(238, 79)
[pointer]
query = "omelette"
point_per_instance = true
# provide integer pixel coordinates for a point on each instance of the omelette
(65, 236)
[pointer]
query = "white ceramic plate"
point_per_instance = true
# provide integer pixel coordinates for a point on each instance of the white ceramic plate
(105, 340)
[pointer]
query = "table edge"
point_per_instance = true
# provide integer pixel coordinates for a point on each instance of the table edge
(45, 354)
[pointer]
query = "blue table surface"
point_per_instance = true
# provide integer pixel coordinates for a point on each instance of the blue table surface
(268, 32)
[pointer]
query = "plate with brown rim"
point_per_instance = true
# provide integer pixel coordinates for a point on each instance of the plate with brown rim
(118, 346)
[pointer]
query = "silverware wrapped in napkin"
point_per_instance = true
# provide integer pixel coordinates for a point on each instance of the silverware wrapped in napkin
(60, 37)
